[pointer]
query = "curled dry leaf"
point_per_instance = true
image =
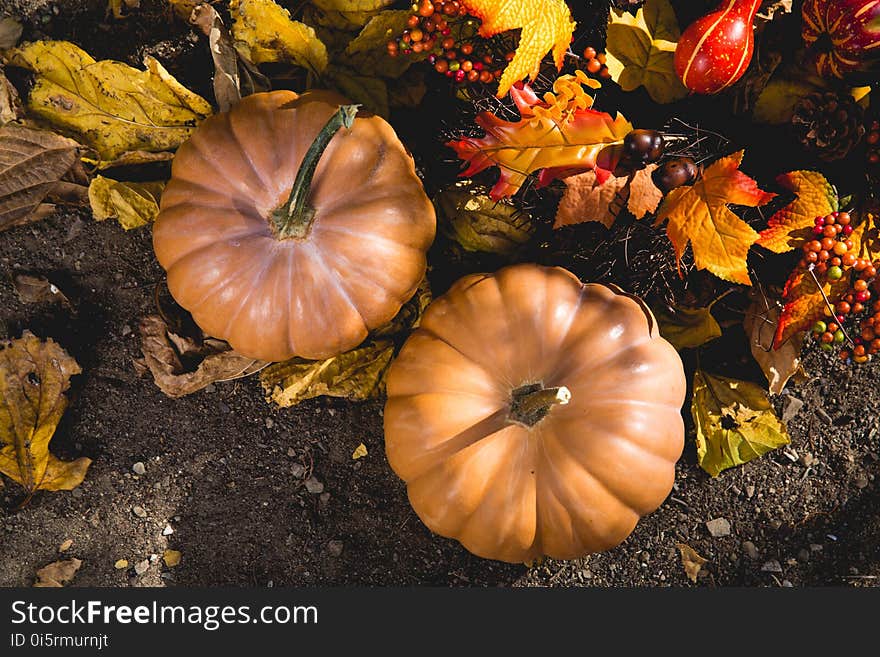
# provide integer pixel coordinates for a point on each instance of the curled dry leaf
(265, 33)
(469, 217)
(234, 75)
(409, 316)
(778, 365)
(641, 49)
(735, 422)
(10, 103)
(219, 363)
(34, 375)
(32, 164)
(57, 574)
(132, 204)
(586, 199)
(38, 289)
(356, 375)
(692, 562)
(125, 115)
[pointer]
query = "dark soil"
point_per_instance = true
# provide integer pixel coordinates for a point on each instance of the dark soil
(225, 470)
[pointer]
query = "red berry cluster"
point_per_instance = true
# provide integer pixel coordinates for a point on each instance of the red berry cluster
(429, 30)
(595, 63)
(831, 255)
(872, 139)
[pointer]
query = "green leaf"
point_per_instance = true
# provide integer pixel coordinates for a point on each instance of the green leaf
(471, 218)
(356, 375)
(132, 204)
(775, 104)
(123, 113)
(371, 92)
(687, 328)
(266, 33)
(735, 422)
(641, 50)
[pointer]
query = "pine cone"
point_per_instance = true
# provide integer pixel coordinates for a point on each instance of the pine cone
(829, 125)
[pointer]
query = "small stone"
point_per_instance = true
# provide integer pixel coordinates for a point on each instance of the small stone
(791, 406)
(297, 470)
(772, 566)
(775, 523)
(167, 531)
(787, 584)
(142, 566)
(807, 459)
(314, 486)
(171, 558)
(126, 330)
(816, 547)
(335, 548)
(270, 423)
(824, 416)
(803, 555)
(291, 452)
(65, 546)
(750, 549)
(76, 492)
(122, 564)
(718, 527)
(325, 498)
(750, 491)
(210, 388)
(139, 468)
(139, 511)
(861, 480)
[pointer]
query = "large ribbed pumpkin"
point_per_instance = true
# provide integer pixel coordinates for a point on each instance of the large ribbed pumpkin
(291, 228)
(532, 415)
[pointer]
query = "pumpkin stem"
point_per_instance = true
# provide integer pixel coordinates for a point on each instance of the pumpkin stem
(293, 220)
(531, 403)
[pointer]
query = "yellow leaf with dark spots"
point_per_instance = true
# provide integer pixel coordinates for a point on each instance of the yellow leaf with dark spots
(34, 375)
(132, 204)
(124, 114)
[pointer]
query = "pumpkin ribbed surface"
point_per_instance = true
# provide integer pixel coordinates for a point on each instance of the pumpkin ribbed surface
(578, 479)
(313, 297)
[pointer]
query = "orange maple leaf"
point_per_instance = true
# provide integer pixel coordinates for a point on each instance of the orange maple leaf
(699, 214)
(546, 25)
(791, 226)
(560, 135)
(804, 301)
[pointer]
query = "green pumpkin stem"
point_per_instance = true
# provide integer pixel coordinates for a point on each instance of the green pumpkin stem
(531, 403)
(293, 220)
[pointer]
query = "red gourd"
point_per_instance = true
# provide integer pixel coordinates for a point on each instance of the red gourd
(716, 50)
(844, 35)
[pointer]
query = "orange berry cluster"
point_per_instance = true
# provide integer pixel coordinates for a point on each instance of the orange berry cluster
(595, 63)
(429, 30)
(831, 255)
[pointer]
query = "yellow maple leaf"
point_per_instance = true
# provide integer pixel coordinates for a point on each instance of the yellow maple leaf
(699, 214)
(132, 204)
(34, 376)
(546, 25)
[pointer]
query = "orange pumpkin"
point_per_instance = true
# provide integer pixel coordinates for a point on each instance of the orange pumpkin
(292, 228)
(532, 415)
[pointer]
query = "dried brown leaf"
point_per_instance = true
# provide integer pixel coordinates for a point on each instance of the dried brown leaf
(57, 574)
(585, 199)
(164, 361)
(32, 162)
(38, 289)
(778, 365)
(692, 562)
